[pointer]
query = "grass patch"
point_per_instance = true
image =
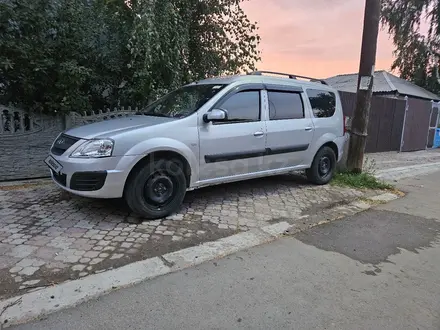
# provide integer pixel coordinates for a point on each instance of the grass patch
(360, 181)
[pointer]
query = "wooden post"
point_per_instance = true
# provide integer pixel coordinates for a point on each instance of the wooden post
(359, 129)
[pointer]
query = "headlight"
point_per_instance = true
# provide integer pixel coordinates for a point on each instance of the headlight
(94, 149)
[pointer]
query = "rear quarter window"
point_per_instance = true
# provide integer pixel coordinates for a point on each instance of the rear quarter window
(323, 103)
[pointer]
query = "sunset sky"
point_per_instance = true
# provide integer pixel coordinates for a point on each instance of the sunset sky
(318, 38)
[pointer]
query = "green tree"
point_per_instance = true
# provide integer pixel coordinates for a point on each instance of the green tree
(178, 41)
(64, 55)
(416, 50)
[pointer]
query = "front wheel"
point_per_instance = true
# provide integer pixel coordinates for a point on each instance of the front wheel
(323, 166)
(156, 190)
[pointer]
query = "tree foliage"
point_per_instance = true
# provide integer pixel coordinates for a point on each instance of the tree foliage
(64, 55)
(415, 28)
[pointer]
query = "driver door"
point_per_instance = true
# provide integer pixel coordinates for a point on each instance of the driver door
(234, 146)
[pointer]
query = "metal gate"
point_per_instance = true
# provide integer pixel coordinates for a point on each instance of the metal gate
(385, 122)
(433, 125)
(416, 125)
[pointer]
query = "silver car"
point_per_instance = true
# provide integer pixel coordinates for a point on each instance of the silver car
(209, 132)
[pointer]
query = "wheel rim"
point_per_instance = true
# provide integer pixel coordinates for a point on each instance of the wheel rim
(160, 189)
(324, 166)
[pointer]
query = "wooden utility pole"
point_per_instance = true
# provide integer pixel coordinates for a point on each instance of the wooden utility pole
(359, 124)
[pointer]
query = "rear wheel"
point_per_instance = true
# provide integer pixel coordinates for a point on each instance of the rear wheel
(323, 166)
(156, 190)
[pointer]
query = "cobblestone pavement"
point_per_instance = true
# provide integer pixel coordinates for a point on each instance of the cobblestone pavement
(48, 236)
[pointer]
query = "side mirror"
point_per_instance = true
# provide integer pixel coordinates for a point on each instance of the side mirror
(215, 115)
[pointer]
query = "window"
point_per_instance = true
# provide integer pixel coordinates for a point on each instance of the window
(243, 106)
(323, 103)
(183, 101)
(285, 105)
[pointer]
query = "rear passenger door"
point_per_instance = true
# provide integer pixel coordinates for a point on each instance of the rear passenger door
(289, 128)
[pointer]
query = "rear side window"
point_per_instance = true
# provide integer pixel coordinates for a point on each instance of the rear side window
(323, 103)
(285, 105)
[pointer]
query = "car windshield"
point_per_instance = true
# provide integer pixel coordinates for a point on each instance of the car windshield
(183, 101)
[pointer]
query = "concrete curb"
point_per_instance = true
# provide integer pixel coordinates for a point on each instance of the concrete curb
(29, 306)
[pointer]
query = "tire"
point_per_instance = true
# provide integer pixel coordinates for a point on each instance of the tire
(156, 190)
(323, 167)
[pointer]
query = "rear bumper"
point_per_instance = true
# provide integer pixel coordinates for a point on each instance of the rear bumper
(342, 143)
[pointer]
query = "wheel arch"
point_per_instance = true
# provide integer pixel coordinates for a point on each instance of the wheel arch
(162, 154)
(331, 145)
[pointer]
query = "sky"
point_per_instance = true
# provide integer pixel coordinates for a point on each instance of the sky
(317, 38)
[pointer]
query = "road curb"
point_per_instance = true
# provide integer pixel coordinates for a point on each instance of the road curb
(32, 305)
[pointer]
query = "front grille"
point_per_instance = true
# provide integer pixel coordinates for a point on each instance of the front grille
(88, 181)
(60, 178)
(63, 143)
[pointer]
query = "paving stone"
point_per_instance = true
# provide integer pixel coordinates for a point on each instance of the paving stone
(103, 255)
(116, 256)
(96, 261)
(91, 254)
(6, 261)
(30, 262)
(98, 237)
(31, 282)
(67, 258)
(84, 260)
(61, 242)
(47, 253)
(15, 269)
(28, 271)
(56, 265)
(126, 245)
(78, 268)
(39, 240)
(21, 251)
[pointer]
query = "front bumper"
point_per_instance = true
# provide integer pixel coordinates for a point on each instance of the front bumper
(93, 177)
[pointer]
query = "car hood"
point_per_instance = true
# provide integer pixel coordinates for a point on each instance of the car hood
(108, 128)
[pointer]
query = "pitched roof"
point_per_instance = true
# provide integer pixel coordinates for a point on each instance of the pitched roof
(384, 82)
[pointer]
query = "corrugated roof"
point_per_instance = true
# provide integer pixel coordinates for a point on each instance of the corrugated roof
(384, 82)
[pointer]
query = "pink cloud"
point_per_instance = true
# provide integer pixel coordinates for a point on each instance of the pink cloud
(319, 38)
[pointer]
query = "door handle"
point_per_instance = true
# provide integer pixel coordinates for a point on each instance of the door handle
(308, 129)
(258, 134)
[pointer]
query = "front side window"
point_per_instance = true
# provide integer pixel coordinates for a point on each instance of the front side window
(323, 103)
(183, 101)
(285, 105)
(243, 106)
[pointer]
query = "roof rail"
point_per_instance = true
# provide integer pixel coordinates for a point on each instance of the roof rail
(291, 76)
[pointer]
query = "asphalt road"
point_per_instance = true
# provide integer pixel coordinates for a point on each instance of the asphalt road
(376, 270)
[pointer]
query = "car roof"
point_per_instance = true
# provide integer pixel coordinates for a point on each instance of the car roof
(256, 78)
